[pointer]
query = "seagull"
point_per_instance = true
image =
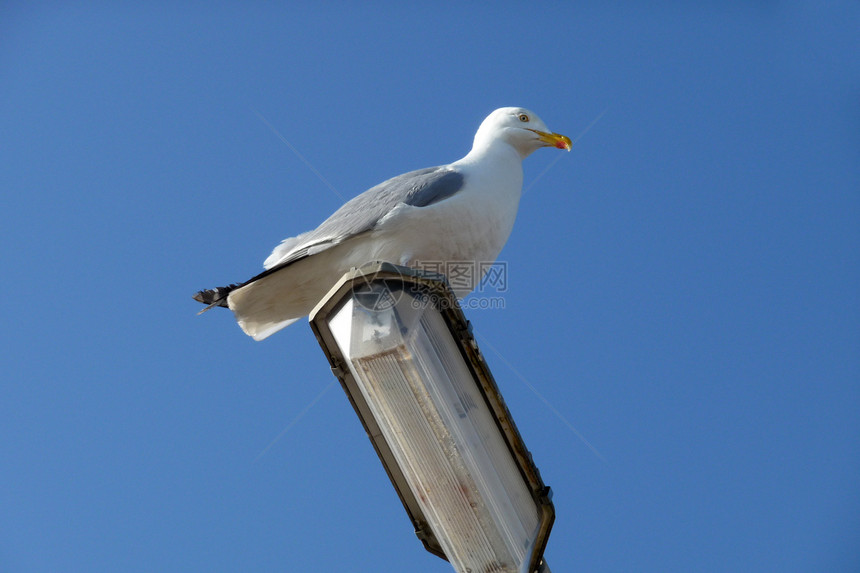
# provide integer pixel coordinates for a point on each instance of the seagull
(463, 211)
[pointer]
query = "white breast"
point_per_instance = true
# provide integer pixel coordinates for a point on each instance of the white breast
(472, 225)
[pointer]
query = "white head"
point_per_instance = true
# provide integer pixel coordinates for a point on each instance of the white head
(521, 129)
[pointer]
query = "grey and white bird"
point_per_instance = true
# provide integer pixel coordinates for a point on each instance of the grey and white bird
(463, 211)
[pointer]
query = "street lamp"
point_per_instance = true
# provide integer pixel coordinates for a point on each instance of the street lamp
(404, 353)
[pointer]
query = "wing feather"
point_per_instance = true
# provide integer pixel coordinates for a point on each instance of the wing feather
(361, 214)
(419, 188)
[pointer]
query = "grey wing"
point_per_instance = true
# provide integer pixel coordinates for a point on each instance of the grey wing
(419, 188)
(436, 185)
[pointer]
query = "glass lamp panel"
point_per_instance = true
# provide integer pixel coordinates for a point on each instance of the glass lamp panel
(446, 441)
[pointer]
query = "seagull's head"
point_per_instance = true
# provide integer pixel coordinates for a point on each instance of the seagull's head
(521, 129)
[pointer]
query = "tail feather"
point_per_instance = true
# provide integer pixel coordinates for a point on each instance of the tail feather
(215, 296)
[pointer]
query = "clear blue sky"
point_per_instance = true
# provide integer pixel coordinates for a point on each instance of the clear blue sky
(684, 286)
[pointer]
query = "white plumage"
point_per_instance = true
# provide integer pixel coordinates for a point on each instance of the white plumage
(463, 211)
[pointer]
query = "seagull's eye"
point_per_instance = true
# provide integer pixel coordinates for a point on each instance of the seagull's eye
(523, 117)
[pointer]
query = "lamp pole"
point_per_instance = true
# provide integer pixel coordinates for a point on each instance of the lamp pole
(403, 351)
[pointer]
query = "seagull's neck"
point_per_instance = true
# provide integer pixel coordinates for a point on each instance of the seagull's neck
(496, 169)
(491, 152)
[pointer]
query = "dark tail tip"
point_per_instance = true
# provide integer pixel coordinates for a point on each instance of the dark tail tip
(215, 296)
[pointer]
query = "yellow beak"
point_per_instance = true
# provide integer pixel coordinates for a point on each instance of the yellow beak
(554, 139)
